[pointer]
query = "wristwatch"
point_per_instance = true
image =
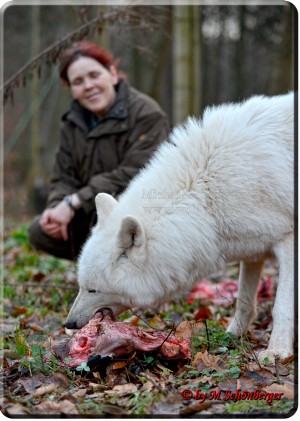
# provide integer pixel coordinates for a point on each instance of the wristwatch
(68, 201)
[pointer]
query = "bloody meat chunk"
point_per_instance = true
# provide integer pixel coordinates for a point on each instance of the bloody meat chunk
(106, 337)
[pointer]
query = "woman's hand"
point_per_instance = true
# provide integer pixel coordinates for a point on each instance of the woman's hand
(55, 221)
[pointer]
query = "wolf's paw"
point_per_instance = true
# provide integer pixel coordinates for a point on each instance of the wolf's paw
(237, 328)
(271, 354)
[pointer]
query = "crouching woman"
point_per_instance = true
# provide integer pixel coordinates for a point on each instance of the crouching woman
(107, 136)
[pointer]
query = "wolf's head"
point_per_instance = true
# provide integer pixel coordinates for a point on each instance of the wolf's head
(112, 266)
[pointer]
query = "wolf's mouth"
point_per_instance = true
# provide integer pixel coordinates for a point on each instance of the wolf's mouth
(103, 312)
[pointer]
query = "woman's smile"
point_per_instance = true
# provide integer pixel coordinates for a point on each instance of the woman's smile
(92, 84)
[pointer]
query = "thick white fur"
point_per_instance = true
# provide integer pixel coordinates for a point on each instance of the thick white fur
(220, 190)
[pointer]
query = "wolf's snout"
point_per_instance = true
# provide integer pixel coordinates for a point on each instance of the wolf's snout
(71, 325)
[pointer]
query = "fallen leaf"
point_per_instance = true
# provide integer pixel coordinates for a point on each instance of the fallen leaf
(247, 383)
(46, 408)
(44, 390)
(114, 410)
(203, 314)
(195, 407)
(68, 408)
(228, 384)
(279, 368)
(38, 276)
(61, 379)
(79, 393)
(288, 390)
(204, 360)
(16, 409)
(3, 362)
(288, 359)
(117, 365)
(163, 368)
(184, 330)
(30, 384)
(9, 325)
(97, 375)
(262, 377)
(35, 327)
(147, 386)
(122, 389)
(17, 311)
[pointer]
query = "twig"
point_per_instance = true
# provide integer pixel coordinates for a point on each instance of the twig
(30, 284)
(167, 337)
(207, 335)
(140, 317)
(155, 384)
(119, 15)
(171, 331)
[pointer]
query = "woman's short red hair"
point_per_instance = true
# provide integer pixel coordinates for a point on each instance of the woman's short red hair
(84, 49)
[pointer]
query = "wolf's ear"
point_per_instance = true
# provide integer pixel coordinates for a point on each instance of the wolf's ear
(131, 233)
(104, 206)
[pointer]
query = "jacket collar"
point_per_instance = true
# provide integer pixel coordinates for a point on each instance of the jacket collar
(88, 121)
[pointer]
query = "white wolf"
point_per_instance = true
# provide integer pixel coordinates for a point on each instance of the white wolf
(220, 190)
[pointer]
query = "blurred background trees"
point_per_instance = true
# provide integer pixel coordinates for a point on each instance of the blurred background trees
(186, 57)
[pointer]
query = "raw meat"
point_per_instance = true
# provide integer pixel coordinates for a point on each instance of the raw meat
(106, 337)
(225, 292)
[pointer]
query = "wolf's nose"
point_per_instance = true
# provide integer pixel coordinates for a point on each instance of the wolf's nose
(71, 325)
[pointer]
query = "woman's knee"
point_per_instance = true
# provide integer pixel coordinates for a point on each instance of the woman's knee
(35, 232)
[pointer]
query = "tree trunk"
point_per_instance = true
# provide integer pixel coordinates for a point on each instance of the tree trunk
(35, 141)
(186, 62)
(283, 74)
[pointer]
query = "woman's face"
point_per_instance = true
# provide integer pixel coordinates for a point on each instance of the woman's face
(92, 84)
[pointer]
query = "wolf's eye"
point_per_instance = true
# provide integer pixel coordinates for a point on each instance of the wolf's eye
(92, 291)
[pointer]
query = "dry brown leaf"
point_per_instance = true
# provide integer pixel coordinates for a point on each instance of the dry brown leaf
(288, 359)
(203, 314)
(195, 407)
(134, 320)
(279, 368)
(122, 389)
(147, 386)
(163, 368)
(30, 384)
(118, 364)
(228, 384)
(204, 360)
(157, 322)
(96, 375)
(16, 409)
(287, 390)
(262, 377)
(79, 393)
(17, 311)
(35, 327)
(44, 390)
(247, 383)
(46, 408)
(4, 362)
(68, 408)
(61, 379)
(184, 330)
(92, 384)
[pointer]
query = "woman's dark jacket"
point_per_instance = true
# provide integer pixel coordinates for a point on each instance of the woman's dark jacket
(104, 155)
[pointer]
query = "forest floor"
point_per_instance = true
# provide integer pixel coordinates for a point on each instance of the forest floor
(223, 376)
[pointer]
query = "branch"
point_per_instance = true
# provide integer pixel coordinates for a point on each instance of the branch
(39, 285)
(122, 16)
